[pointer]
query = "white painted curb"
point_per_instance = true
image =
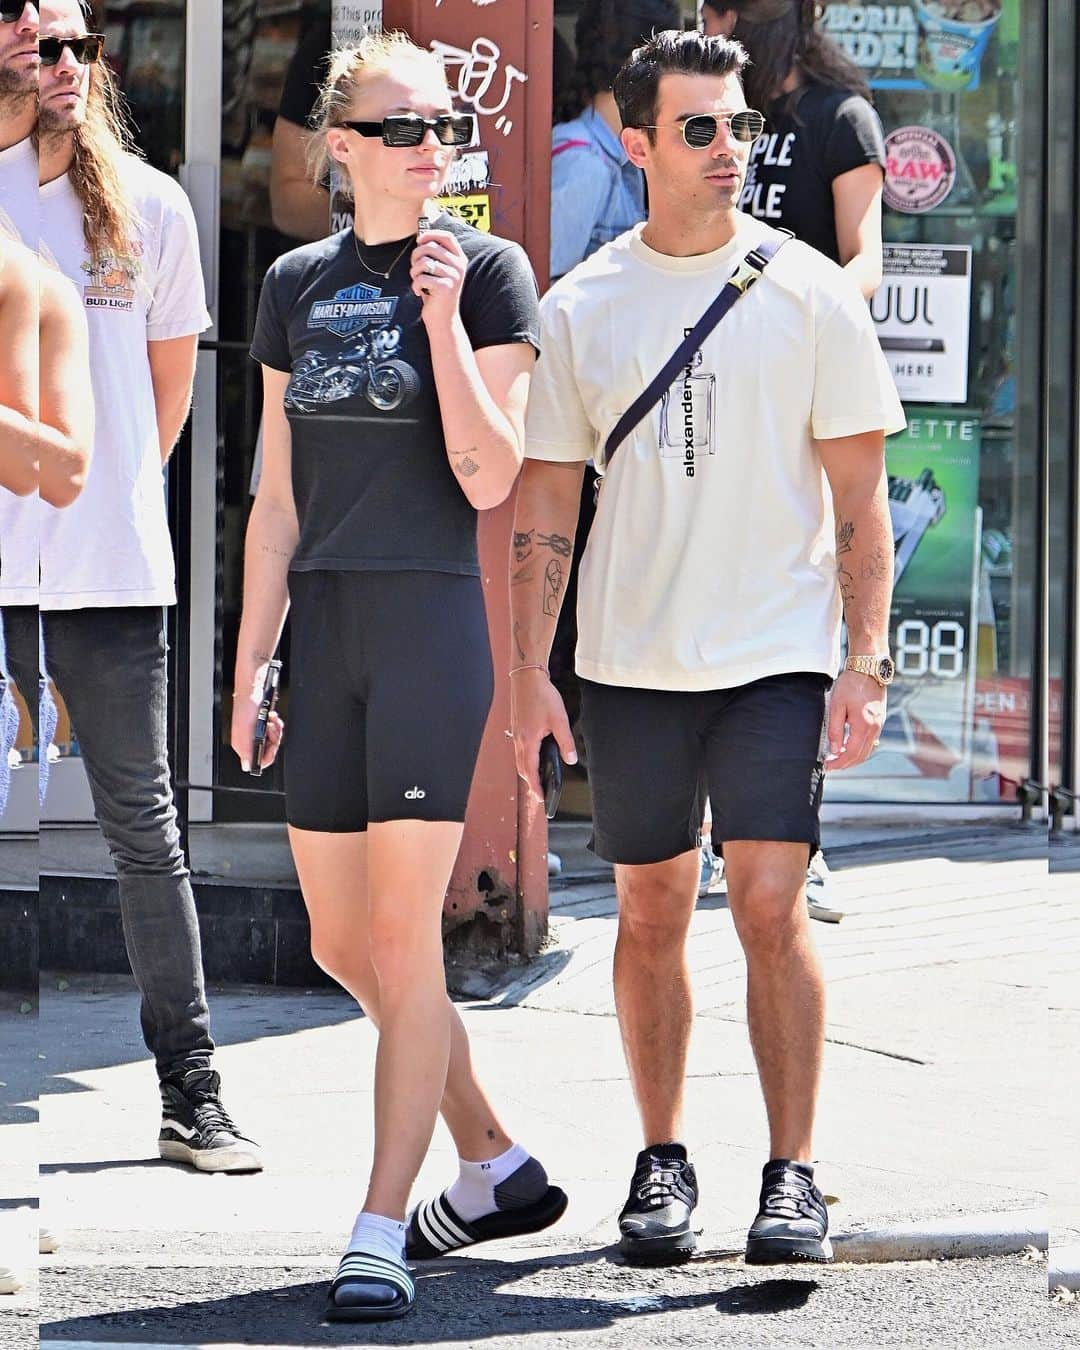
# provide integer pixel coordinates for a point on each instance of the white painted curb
(1065, 1267)
(961, 1235)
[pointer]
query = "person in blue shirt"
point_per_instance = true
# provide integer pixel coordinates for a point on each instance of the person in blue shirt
(596, 193)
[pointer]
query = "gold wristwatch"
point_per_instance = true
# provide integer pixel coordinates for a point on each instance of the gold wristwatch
(880, 668)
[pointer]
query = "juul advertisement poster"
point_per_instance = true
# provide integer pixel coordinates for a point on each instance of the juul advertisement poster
(922, 312)
(351, 19)
(925, 751)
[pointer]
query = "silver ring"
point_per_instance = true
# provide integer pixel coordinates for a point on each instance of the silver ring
(431, 267)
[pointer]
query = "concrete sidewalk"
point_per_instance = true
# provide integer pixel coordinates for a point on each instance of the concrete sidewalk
(934, 1102)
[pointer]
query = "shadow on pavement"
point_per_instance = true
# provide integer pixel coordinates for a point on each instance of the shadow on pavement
(462, 1302)
(770, 1296)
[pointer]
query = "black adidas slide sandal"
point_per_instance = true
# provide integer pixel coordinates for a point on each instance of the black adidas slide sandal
(371, 1289)
(435, 1229)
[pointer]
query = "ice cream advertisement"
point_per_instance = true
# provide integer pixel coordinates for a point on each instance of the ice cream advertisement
(924, 44)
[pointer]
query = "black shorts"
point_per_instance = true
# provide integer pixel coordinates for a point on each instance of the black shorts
(755, 751)
(390, 683)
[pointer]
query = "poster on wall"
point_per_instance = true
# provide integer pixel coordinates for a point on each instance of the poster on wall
(922, 44)
(926, 746)
(350, 20)
(922, 313)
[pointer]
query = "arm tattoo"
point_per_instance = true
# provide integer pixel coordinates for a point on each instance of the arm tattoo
(554, 580)
(467, 467)
(845, 534)
(523, 544)
(876, 567)
(558, 543)
(275, 551)
(521, 575)
(517, 642)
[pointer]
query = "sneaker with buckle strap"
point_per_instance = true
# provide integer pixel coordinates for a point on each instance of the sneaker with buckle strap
(792, 1223)
(654, 1224)
(196, 1129)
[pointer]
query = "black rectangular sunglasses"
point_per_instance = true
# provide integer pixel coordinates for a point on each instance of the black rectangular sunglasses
(405, 129)
(85, 49)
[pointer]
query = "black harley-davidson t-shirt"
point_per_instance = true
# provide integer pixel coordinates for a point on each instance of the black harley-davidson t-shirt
(373, 487)
(810, 138)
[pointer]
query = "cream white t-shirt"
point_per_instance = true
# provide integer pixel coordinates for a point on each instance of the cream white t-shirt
(112, 546)
(19, 515)
(711, 561)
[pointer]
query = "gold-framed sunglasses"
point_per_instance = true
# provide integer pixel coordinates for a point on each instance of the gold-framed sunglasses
(700, 130)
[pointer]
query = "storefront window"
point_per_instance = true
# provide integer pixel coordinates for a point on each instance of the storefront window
(944, 77)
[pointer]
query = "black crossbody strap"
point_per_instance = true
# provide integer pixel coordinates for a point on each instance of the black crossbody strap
(737, 284)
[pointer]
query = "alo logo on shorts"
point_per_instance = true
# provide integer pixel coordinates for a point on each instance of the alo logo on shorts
(416, 794)
(352, 309)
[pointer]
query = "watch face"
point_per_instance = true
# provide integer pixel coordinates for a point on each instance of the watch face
(886, 670)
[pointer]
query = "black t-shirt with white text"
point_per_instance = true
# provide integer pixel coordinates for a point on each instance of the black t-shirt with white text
(810, 139)
(373, 488)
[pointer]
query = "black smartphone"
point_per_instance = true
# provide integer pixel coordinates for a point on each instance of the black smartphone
(550, 775)
(267, 704)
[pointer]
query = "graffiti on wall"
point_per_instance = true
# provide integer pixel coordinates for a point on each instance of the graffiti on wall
(483, 81)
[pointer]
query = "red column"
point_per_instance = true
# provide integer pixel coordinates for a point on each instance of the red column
(498, 60)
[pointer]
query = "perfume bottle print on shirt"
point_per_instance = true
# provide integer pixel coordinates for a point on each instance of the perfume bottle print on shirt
(687, 413)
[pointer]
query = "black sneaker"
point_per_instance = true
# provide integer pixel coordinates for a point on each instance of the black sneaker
(792, 1223)
(196, 1128)
(655, 1221)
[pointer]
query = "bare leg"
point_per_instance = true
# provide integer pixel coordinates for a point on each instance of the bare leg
(652, 986)
(333, 875)
(785, 989)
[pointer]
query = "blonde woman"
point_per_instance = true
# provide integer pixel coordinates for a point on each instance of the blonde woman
(396, 365)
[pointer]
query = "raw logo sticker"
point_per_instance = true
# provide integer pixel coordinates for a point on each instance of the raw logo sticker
(920, 169)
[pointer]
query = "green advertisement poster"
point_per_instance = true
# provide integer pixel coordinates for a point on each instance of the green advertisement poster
(925, 751)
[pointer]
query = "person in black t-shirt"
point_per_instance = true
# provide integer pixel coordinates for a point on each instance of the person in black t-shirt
(299, 207)
(819, 168)
(396, 362)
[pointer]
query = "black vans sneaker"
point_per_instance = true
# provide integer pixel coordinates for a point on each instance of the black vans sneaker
(196, 1128)
(655, 1221)
(792, 1223)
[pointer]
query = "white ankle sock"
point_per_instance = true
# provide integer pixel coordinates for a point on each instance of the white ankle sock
(473, 1194)
(378, 1236)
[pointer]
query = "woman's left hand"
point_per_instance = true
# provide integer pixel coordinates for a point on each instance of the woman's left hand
(438, 272)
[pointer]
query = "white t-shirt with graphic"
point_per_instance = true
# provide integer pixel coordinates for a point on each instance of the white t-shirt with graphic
(112, 546)
(19, 515)
(711, 562)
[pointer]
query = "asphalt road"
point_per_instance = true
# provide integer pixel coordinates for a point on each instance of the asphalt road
(582, 1301)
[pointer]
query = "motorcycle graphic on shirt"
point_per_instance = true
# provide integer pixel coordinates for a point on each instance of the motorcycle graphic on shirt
(368, 367)
(369, 363)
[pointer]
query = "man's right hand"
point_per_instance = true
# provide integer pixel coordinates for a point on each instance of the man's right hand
(245, 713)
(536, 708)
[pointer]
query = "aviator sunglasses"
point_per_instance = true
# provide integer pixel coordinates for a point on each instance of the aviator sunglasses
(405, 129)
(85, 49)
(702, 129)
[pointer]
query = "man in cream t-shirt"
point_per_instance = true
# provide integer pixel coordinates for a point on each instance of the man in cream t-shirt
(738, 521)
(125, 234)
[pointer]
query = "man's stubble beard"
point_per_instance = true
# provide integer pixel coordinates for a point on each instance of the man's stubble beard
(53, 126)
(18, 89)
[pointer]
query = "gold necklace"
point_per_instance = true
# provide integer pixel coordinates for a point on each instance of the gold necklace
(374, 270)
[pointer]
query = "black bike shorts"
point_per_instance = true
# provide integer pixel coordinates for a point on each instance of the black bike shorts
(390, 683)
(756, 751)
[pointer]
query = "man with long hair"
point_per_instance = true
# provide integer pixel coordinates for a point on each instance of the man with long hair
(125, 234)
(746, 510)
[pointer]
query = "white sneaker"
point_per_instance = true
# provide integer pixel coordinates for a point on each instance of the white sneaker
(9, 1281)
(46, 1241)
(712, 870)
(820, 903)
